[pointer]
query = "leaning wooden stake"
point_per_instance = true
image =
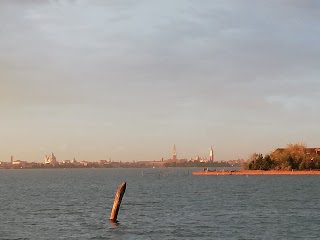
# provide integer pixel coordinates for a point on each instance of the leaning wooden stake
(117, 201)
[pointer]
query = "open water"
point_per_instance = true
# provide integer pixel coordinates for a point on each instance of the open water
(158, 204)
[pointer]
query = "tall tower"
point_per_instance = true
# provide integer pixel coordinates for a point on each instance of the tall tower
(211, 154)
(174, 153)
(11, 159)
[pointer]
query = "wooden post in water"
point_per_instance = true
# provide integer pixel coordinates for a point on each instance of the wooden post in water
(117, 201)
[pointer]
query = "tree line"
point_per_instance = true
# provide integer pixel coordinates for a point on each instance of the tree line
(293, 157)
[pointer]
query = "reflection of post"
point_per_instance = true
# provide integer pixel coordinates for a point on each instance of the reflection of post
(117, 201)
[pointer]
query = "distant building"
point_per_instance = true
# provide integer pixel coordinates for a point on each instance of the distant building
(19, 162)
(50, 159)
(211, 159)
(174, 153)
(103, 162)
(84, 163)
(308, 151)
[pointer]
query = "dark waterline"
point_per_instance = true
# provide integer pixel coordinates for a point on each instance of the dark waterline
(158, 204)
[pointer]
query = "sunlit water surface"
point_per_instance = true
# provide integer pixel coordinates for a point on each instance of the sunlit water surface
(166, 203)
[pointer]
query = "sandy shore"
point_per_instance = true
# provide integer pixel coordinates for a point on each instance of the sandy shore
(256, 172)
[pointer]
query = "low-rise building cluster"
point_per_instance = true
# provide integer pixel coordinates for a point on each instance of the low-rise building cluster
(51, 161)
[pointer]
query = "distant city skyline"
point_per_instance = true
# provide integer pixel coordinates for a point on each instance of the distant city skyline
(127, 80)
(51, 158)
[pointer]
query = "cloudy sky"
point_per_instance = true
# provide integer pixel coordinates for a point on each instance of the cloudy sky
(126, 80)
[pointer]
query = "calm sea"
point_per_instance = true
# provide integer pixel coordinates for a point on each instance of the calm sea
(158, 204)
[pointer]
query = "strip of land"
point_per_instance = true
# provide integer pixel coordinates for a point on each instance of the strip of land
(255, 172)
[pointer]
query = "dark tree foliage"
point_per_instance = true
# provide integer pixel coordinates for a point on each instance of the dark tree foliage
(258, 162)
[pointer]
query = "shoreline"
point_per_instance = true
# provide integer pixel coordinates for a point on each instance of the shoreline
(256, 172)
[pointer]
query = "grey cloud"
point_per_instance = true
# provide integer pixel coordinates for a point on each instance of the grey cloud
(192, 49)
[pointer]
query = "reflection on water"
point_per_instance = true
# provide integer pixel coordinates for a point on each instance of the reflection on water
(76, 204)
(114, 223)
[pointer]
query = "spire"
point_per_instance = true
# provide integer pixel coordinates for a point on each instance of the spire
(174, 153)
(211, 154)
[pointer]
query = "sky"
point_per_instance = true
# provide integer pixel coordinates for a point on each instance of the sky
(126, 80)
